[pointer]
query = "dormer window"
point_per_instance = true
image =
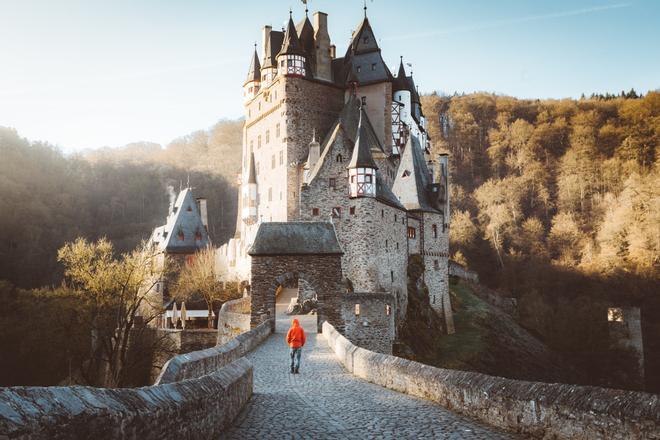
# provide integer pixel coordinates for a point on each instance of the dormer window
(406, 173)
(180, 235)
(339, 158)
(189, 208)
(198, 235)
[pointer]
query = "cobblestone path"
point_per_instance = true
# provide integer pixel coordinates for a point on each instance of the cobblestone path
(326, 402)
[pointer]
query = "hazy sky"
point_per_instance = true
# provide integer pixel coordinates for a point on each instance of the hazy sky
(92, 73)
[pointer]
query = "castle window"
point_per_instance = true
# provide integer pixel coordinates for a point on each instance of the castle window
(282, 63)
(336, 212)
(315, 211)
(259, 141)
(397, 246)
(259, 106)
(267, 136)
(615, 314)
(386, 243)
(351, 210)
(436, 265)
(392, 275)
(388, 310)
(332, 182)
(277, 130)
(394, 218)
(382, 213)
(434, 230)
(359, 68)
(276, 98)
(282, 157)
(339, 158)
(273, 162)
(364, 100)
(357, 310)
(189, 208)
(444, 227)
(412, 232)
(373, 66)
(433, 299)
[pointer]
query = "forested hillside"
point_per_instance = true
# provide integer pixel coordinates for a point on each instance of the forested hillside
(558, 204)
(47, 199)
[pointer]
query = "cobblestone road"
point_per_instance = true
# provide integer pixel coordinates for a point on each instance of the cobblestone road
(326, 402)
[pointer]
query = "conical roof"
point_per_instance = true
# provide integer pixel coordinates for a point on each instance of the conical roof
(361, 157)
(400, 83)
(291, 44)
(306, 36)
(254, 72)
(413, 179)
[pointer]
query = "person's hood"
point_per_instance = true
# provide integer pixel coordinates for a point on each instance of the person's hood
(295, 323)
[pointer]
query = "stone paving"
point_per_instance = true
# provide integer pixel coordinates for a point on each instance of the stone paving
(326, 402)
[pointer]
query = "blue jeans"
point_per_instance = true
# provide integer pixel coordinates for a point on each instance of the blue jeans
(295, 358)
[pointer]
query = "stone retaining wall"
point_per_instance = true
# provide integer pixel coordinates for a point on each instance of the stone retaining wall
(233, 319)
(462, 272)
(537, 410)
(199, 363)
(197, 396)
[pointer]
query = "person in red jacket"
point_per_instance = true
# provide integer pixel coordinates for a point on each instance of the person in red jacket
(295, 338)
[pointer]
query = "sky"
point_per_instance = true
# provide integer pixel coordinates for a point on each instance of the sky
(91, 73)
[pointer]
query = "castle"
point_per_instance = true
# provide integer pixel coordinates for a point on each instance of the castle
(342, 140)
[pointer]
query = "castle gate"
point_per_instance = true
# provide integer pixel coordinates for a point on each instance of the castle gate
(283, 254)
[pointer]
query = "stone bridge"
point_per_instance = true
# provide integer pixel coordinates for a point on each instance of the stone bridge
(242, 389)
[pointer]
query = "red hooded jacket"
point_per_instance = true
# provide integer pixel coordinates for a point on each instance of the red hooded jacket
(295, 337)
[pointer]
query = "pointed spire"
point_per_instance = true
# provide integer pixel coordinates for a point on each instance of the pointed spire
(291, 44)
(400, 81)
(365, 8)
(361, 157)
(252, 172)
(254, 72)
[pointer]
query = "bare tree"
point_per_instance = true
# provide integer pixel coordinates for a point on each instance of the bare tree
(199, 276)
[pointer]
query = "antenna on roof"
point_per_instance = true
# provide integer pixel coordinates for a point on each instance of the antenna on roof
(365, 8)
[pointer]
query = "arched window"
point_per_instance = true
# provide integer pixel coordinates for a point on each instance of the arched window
(339, 158)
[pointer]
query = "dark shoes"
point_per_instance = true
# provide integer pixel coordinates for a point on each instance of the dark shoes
(294, 371)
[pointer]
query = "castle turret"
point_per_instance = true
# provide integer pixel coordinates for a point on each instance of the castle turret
(253, 81)
(307, 43)
(291, 59)
(324, 50)
(249, 194)
(362, 167)
(400, 110)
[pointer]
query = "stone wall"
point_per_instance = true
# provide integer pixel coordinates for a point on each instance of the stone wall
(322, 272)
(532, 409)
(372, 233)
(197, 396)
(233, 319)
(373, 327)
(507, 304)
(435, 243)
(462, 272)
(203, 362)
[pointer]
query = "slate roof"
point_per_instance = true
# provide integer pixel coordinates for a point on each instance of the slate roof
(273, 46)
(306, 35)
(291, 44)
(413, 179)
(296, 238)
(187, 219)
(254, 72)
(400, 83)
(361, 156)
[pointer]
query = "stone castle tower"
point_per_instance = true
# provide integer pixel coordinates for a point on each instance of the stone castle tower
(342, 140)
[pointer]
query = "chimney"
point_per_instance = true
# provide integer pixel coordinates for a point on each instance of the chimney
(203, 213)
(314, 152)
(323, 49)
(265, 37)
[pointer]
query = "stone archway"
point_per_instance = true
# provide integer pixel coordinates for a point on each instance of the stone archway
(284, 253)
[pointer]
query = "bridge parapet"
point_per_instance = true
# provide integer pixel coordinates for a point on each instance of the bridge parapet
(197, 396)
(538, 410)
